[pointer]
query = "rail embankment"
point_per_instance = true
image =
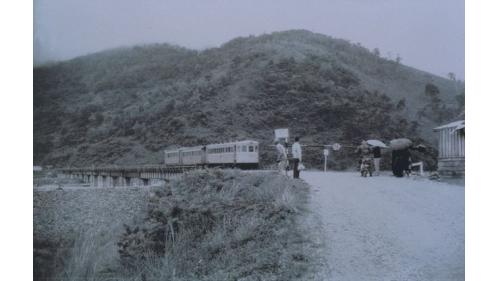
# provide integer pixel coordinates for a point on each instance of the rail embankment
(205, 225)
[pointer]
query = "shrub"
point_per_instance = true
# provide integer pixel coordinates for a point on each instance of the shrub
(221, 225)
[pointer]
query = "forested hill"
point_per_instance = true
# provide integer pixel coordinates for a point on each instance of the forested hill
(124, 106)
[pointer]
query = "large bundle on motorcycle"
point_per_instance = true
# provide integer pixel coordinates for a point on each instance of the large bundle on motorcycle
(399, 144)
(400, 156)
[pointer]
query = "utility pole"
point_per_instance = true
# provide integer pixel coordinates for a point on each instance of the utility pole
(325, 153)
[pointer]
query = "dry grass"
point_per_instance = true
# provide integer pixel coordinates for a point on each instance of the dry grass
(230, 225)
(208, 225)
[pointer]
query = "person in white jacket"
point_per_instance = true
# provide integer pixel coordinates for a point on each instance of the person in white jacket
(282, 158)
(296, 157)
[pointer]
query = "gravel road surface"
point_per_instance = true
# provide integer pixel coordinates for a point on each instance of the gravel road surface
(387, 228)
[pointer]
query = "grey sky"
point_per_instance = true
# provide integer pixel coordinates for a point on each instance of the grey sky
(428, 34)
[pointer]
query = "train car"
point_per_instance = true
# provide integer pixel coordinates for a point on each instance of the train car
(192, 155)
(172, 157)
(242, 154)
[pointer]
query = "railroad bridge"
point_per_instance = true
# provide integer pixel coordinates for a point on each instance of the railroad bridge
(125, 176)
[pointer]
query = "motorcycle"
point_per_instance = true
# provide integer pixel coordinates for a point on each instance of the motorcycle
(367, 167)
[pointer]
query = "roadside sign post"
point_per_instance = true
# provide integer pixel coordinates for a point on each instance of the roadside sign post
(281, 134)
(325, 153)
(336, 146)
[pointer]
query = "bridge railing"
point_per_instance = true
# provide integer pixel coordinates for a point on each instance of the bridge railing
(128, 169)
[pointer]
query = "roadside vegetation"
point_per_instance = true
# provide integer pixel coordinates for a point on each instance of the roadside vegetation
(207, 225)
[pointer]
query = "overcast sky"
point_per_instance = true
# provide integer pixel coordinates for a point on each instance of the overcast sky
(427, 34)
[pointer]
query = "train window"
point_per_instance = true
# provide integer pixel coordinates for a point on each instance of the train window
(250, 148)
(244, 148)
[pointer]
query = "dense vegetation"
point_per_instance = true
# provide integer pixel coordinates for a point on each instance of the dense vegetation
(124, 106)
(207, 225)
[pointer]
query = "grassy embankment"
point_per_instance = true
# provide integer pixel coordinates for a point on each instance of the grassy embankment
(208, 225)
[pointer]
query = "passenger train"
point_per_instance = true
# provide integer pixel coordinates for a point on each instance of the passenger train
(241, 154)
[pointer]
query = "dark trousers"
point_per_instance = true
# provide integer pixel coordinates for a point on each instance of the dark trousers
(295, 168)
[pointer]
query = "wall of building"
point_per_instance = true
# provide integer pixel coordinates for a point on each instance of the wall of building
(451, 144)
(451, 161)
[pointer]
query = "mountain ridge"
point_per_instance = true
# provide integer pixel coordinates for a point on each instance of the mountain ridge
(124, 105)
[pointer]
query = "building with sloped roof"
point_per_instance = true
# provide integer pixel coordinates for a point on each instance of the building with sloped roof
(451, 159)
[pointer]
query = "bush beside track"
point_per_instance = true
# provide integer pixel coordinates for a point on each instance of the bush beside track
(207, 225)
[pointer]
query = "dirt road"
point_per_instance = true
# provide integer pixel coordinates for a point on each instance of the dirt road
(387, 228)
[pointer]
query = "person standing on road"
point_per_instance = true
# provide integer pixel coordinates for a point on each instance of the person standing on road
(281, 159)
(364, 152)
(376, 159)
(296, 157)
